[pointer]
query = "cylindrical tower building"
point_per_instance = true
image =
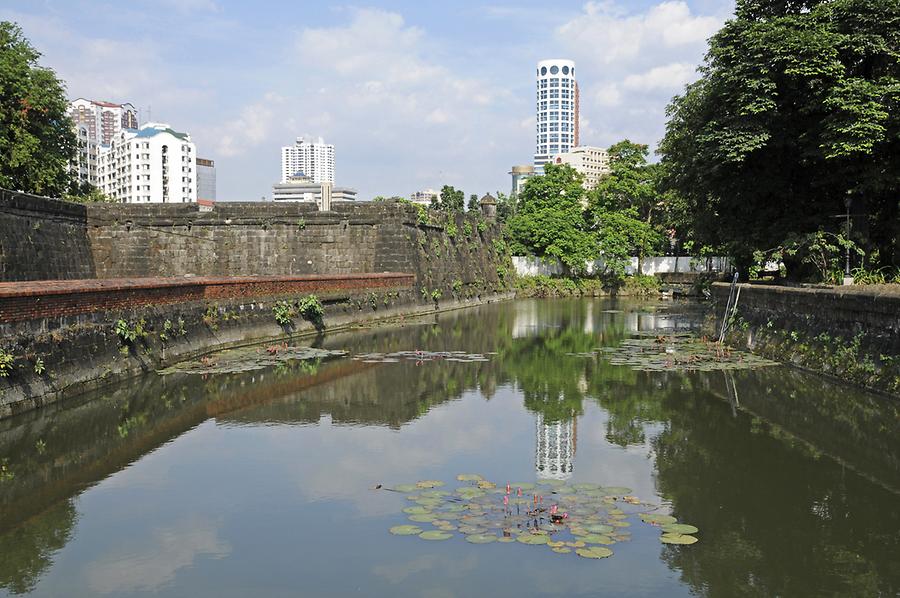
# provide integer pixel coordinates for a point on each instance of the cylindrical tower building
(557, 110)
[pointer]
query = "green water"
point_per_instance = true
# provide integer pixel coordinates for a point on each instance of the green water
(260, 483)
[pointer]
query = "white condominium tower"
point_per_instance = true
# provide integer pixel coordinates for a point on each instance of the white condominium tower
(312, 158)
(154, 164)
(557, 110)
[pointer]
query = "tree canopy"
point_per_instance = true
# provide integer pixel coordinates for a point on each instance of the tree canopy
(36, 135)
(797, 110)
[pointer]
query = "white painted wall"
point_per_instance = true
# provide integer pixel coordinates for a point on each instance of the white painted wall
(533, 266)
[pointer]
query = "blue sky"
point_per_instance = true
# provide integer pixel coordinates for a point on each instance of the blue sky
(412, 94)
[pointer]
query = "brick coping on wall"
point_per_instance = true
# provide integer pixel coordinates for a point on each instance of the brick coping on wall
(30, 300)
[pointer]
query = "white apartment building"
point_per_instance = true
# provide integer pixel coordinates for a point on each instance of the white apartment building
(312, 158)
(591, 162)
(424, 197)
(151, 165)
(84, 166)
(102, 120)
(556, 110)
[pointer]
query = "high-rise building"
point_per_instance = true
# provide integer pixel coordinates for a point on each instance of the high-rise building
(206, 179)
(520, 174)
(591, 162)
(102, 119)
(557, 110)
(555, 446)
(312, 158)
(151, 165)
(84, 165)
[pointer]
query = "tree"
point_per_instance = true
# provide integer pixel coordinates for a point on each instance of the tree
(506, 206)
(473, 204)
(797, 109)
(37, 138)
(549, 220)
(452, 200)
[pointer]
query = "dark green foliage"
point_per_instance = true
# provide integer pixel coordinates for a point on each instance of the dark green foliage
(798, 107)
(473, 205)
(452, 200)
(37, 138)
(550, 220)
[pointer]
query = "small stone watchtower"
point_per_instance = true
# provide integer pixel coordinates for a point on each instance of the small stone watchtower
(489, 207)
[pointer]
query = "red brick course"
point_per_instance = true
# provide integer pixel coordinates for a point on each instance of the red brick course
(21, 301)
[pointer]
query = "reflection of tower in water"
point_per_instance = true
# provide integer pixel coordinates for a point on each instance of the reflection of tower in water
(555, 446)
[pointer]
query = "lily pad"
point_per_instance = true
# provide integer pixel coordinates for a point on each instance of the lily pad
(429, 484)
(599, 528)
(435, 534)
(481, 538)
(658, 519)
(597, 539)
(677, 539)
(406, 530)
(469, 477)
(423, 518)
(679, 528)
(532, 539)
(594, 552)
(561, 550)
(405, 488)
(416, 510)
(506, 539)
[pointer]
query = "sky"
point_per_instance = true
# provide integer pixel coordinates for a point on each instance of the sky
(413, 94)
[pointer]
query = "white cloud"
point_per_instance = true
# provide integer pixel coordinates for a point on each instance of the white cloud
(630, 64)
(670, 77)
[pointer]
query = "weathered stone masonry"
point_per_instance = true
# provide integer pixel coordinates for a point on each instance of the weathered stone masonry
(213, 278)
(852, 333)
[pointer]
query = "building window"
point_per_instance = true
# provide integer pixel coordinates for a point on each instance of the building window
(554, 70)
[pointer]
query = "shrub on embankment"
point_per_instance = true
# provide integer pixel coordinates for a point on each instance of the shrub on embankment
(547, 286)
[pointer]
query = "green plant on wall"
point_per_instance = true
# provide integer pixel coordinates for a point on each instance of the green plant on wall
(467, 229)
(128, 332)
(284, 313)
(310, 308)
(451, 229)
(211, 316)
(6, 363)
(456, 285)
(301, 224)
(39, 366)
(436, 294)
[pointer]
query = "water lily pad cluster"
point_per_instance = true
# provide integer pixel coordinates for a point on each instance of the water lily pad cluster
(420, 356)
(248, 359)
(679, 352)
(585, 519)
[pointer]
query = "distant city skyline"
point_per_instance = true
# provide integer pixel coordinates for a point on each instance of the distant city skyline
(414, 95)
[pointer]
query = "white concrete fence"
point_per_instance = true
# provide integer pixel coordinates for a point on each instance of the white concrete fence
(527, 265)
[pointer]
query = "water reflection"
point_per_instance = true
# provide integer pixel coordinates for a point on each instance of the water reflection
(792, 479)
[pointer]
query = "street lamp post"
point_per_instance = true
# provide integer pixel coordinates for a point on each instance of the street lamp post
(848, 200)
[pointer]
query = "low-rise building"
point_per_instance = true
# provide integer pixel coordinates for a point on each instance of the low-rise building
(591, 162)
(153, 164)
(425, 197)
(302, 188)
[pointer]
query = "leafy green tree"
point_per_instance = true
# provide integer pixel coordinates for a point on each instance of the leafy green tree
(549, 219)
(797, 109)
(627, 205)
(621, 234)
(506, 206)
(452, 200)
(87, 193)
(473, 206)
(37, 138)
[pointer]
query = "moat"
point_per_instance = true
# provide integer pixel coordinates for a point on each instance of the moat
(261, 482)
